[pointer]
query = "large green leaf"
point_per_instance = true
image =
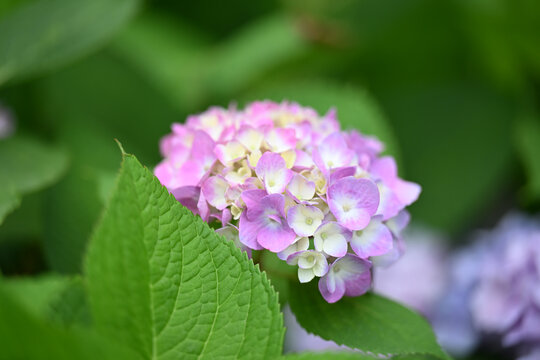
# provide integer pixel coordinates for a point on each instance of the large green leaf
(26, 336)
(528, 144)
(27, 165)
(355, 108)
(369, 323)
(161, 281)
(43, 34)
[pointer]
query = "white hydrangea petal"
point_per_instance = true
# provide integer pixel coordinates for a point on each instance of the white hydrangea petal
(250, 138)
(305, 275)
(331, 238)
(301, 188)
(304, 219)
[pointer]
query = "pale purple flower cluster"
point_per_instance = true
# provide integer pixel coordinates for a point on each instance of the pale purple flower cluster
(506, 297)
(280, 177)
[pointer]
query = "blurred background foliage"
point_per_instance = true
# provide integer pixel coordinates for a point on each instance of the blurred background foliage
(452, 87)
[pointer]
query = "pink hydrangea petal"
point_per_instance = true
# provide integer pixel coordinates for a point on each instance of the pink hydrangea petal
(349, 276)
(303, 161)
(384, 168)
(165, 174)
(376, 239)
(407, 192)
(272, 170)
(389, 205)
(229, 152)
(188, 196)
(248, 232)
(214, 189)
(332, 153)
(393, 255)
(342, 172)
(276, 238)
(331, 290)
(250, 138)
(353, 202)
(202, 207)
(399, 222)
(281, 139)
(252, 198)
(191, 173)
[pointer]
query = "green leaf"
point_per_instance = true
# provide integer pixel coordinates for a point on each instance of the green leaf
(168, 54)
(369, 323)
(252, 52)
(25, 336)
(355, 108)
(162, 282)
(186, 69)
(456, 141)
(27, 166)
(346, 355)
(44, 34)
(342, 355)
(36, 294)
(127, 108)
(70, 308)
(528, 145)
(57, 299)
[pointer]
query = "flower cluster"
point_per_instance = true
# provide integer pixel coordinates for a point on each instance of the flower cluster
(279, 176)
(506, 296)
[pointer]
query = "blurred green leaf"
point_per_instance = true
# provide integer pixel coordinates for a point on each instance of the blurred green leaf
(527, 136)
(50, 297)
(168, 54)
(177, 289)
(27, 165)
(36, 294)
(342, 355)
(186, 69)
(72, 206)
(253, 52)
(369, 322)
(355, 108)
(90, 104)
(26, 336)
(26, 222)
(71, 308)
(456, 142)
(217, 17)
(44, 34)
(349, 355)
(105, 95)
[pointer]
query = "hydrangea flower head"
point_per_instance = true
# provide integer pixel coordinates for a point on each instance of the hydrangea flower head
(281, 177)
(506, 296)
